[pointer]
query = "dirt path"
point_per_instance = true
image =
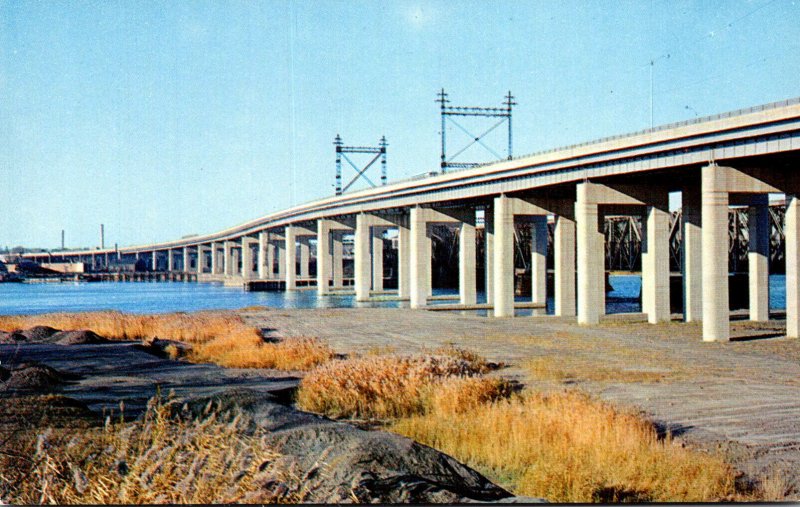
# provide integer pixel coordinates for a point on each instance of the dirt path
(742, 397)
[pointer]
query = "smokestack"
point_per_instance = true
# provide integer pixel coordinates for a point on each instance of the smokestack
(102, 236)
(62, 239)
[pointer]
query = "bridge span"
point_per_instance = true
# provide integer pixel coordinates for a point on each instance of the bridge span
(735, 158)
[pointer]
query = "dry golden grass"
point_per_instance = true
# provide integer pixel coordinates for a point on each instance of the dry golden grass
(162, 459)
(218, 337)
(295, 353)
(194, 328)
(377, 387)
(570, 448)
(570, 370)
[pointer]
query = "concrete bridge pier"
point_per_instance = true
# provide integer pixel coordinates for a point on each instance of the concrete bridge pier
(419, 257)
(564, 266)
(692, 253)
(368, 253)
(791, 230)
(488, 250)
(247, 257)
(337, 257)
(280, 250)
(505, 211)
(272, 250)
(186, 263)
(377, 258)
(466, 263)
(262, 256)
(329, 254)
(758, 257)
(200, 267)
(227, 259)
(420, 251)
(539, 262)
(305, 256)
(290, 257)
(655, 258)
(403, 258)
(721, 185)
(170, 260)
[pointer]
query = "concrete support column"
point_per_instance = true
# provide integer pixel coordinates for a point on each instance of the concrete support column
(429, 255)
(214, 261)
(655, 264)
(692, 265)
(290, 257)
(271, 249)
(281, 249)
(261, 258)
(227, 259)
(539, 260)
(201, 259)
(337, 256)
(791, 230)
(503, 257)
(488, 248)
(591, 258)
(377, 258)
(323, 256)
(154, 265)
(362, 268)
(419, 257)
(170, 260)
(305, 256)
(186, 264)
(403, 260)
(564, 260)
(758, 258)
(716, 309)
(466, 264)
(247, 259)
(236, 256)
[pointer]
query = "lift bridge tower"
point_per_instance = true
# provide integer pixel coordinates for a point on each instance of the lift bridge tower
(342, 151)
(449, 113)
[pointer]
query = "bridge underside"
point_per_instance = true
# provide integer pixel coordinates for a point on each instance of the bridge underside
(712, 168)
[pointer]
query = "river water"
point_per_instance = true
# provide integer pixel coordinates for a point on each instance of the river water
(161, 297)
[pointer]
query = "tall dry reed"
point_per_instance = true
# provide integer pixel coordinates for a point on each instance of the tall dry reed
(162, 459)
(378, 387)
(570, 448)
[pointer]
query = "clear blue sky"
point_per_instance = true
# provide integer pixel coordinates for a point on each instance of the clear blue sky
(162, 119)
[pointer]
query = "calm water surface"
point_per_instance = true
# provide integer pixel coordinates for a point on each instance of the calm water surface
(156, 297)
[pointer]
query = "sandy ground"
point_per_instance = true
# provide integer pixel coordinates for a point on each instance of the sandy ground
(742, 397)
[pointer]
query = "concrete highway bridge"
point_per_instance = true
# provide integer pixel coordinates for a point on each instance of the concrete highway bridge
(732, 159)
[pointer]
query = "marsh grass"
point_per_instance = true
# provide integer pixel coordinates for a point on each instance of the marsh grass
(379, 387)
(217, 458)
(217, 337)
(567, 447)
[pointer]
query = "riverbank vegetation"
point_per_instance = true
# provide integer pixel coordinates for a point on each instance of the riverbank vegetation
(161, 458)
(563, 446)
(566, 446)
(216, 337)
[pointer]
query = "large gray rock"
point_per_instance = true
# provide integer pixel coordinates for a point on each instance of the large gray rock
(337, 462)
(80, 337)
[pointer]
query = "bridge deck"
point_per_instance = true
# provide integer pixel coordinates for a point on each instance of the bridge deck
(743, 396)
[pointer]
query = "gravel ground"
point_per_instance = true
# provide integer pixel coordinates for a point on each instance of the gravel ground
(742, 397)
